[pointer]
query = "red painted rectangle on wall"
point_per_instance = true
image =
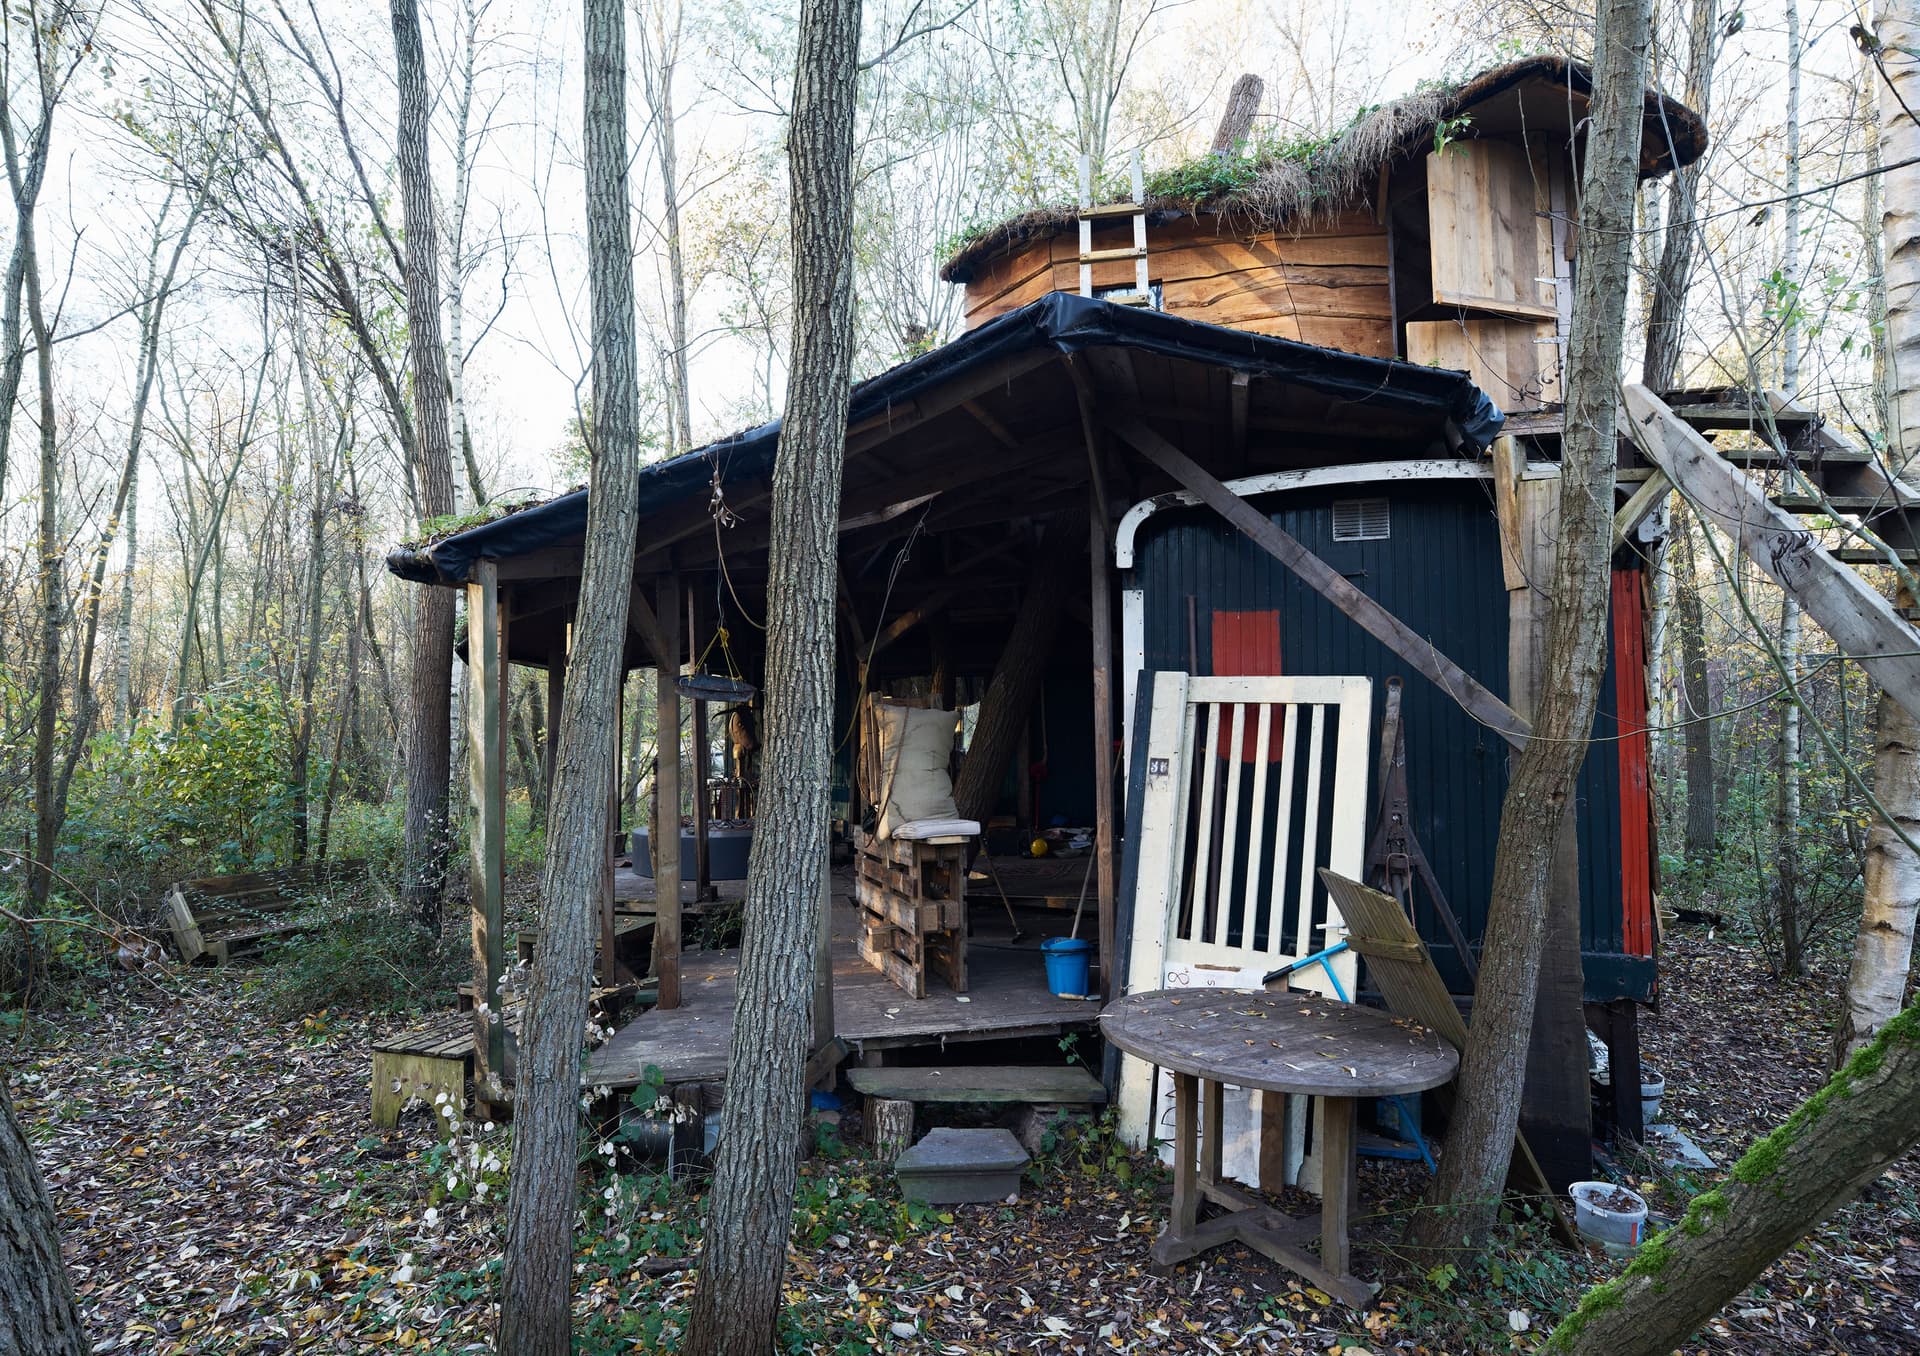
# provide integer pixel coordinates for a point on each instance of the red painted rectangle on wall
(1247, 645)
(1636, 803)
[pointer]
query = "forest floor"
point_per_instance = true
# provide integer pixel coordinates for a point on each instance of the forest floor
(220, 1189)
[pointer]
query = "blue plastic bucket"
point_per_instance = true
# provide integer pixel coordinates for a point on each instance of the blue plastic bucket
(1068, 962)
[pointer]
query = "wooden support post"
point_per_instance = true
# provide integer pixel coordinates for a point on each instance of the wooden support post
(556, 698)
(1557, 1111)
(1418, 651)
(1100, 605)
(1338, 1179)
(1105, 811)
(1186, 1155)
(823, 1023)
(666, 792)
(889, 1127)
(486, 783)
(611, 971)
(702, 863)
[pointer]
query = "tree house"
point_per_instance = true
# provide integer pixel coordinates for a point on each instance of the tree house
(1438, 229)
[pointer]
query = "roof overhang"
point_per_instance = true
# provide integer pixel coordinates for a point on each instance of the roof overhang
(1172, 367)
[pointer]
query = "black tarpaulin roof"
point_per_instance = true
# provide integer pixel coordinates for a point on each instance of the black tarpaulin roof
(1062, 322)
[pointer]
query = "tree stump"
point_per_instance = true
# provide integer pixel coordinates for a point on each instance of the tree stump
(889, 1126)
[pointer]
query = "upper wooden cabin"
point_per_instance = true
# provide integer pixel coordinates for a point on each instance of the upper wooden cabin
(1439, 228)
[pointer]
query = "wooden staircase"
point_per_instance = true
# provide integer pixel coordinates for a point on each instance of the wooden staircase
(1834, 487)
(1811, 560)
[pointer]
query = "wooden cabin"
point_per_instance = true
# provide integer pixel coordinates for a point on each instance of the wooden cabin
(1357, 353)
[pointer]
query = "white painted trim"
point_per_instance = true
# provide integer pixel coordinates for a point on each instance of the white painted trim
(1357, 473)
(1133, 601)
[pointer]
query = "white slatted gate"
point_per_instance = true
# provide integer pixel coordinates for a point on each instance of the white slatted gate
(1252, 785)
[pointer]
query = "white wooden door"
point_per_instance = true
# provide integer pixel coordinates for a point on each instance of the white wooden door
(1252, 785)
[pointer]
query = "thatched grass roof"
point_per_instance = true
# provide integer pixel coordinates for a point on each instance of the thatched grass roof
(1292, 181)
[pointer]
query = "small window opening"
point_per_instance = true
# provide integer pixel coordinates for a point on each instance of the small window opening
(1361, 520)
(1128, 295)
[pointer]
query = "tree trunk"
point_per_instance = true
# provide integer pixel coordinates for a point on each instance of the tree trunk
(47, 812)
(1016, 677)
(1838, 1141)
(1702, 808)
(320, 491)
(1465, 1194)
(1786, 803)
(661, 56)
(537, 1298)
(1883, 949)
(429, 744)
(38, 1316)
(1667, 313)
(750, 1207)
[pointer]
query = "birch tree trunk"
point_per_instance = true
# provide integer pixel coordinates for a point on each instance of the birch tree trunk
(750, 1207)
(537, 1298)
(660, 36)
(429, 741)
(1883, 949)
(38, 1316)
(1464, 1198)
(1838, 1141)
(1659, 370)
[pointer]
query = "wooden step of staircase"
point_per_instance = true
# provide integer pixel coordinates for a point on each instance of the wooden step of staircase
(983, 1084)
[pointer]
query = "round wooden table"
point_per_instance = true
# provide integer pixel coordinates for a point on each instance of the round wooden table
(1298, 1043)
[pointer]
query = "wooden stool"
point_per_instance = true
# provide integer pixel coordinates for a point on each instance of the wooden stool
(912, 893)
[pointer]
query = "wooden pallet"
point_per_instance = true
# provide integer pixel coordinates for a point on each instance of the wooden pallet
(215, 917)
(912, 897)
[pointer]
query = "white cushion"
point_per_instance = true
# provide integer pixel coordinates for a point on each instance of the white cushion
(928, 830)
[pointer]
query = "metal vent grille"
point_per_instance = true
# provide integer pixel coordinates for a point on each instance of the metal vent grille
(1361, 520)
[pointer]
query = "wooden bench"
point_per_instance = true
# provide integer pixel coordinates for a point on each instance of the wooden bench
(214, 917)
(912, 894)
(891, 1093)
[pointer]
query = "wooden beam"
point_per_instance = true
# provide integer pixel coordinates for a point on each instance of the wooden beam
(642, 622)
(1651, 494)
(486, 786)
(985, 418)
(1419, 652)
(1862, 623)
(666, 792)
(906, 621)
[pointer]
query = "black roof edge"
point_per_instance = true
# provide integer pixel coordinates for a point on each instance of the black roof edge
(1061, 321)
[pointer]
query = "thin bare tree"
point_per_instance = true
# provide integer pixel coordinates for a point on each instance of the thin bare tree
(537, 1298)
(749, 1210)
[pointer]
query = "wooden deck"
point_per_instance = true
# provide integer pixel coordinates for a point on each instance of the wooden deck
(629, 887)
(1007, 997)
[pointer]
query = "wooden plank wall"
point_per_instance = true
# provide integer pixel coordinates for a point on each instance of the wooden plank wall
(1516, 362)
(1492, 235)
(1327, 286)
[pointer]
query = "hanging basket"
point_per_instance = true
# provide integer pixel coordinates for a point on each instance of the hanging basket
(714, 687)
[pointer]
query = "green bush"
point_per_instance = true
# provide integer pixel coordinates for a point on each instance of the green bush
(377, 960)
(206, 798)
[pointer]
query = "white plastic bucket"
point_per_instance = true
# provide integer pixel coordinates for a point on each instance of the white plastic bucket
(1611, 1224)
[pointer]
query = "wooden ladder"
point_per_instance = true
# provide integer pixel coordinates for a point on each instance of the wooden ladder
(1142, 294)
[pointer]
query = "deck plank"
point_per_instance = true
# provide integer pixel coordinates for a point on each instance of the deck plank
(1007, 996)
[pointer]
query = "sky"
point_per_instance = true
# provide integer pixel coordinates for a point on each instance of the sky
(530, 295)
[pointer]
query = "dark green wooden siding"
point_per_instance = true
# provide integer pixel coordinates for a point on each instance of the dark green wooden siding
(1439, 571)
